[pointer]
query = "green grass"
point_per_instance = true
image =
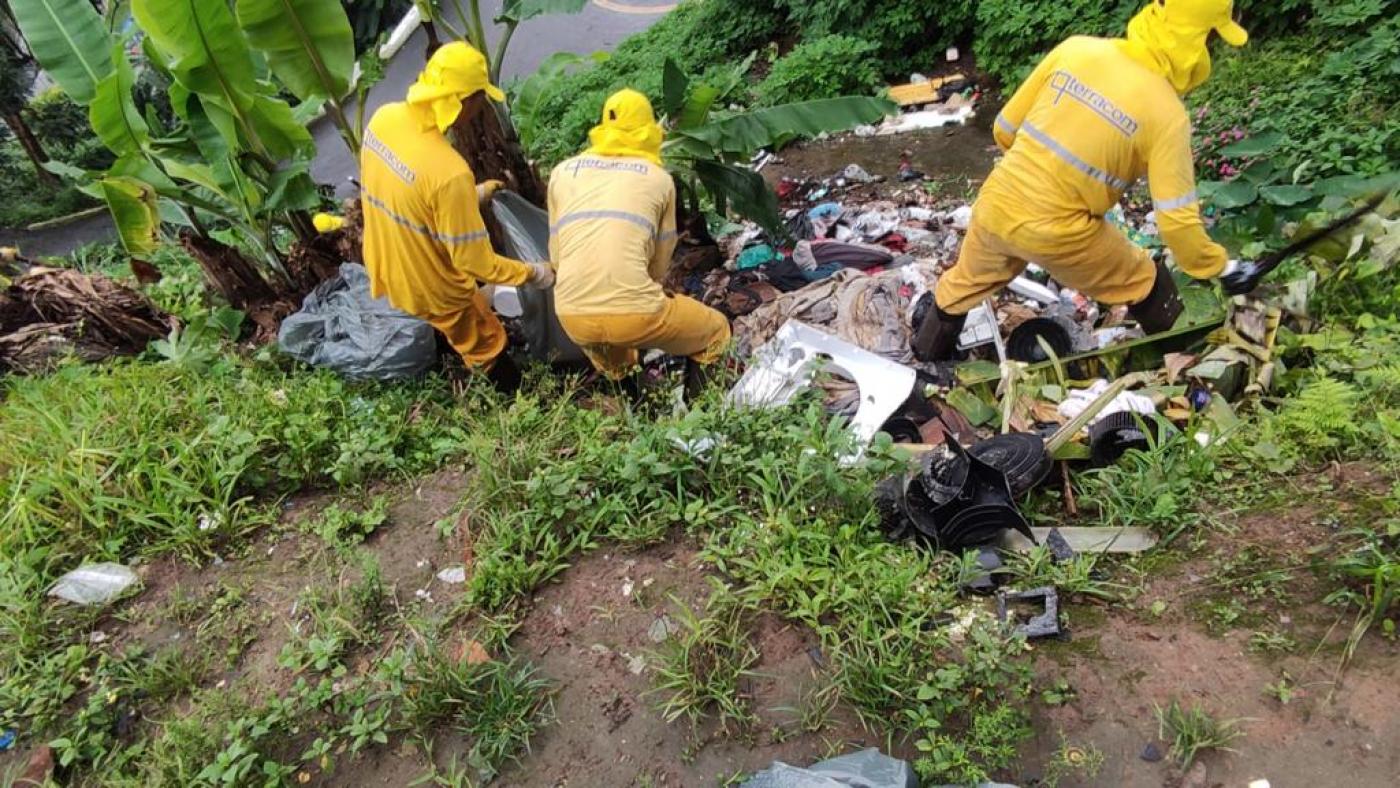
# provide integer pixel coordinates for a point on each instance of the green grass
(1194, 731)
(703, 669)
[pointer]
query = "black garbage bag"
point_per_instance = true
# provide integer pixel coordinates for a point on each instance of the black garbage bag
(527, 240)
(340, 326)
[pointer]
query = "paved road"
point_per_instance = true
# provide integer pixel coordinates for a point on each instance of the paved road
(601, 25)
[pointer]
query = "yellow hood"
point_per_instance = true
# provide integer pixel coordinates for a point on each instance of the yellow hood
(1169, 37)
(453, 73)
(629, 128)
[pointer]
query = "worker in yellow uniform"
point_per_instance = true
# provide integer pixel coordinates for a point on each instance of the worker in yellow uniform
(612, 230)
(425, 243)
(1095, 115)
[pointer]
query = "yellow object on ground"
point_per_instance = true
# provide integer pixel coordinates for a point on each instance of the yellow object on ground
(474, 332)
(612, 230)
(327, 222)
(1094, 116)
(921, 92)
(425, 243)
(682, 327)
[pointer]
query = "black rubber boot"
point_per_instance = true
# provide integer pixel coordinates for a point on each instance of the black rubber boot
(937, 337)
(1162, 306)
(504, 375)
(697, 376)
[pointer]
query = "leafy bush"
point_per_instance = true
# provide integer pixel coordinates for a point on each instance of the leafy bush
(1011, 35)
(702, 36)
(1320, 91)
(909, 36)
(57, 120)
(822, 68)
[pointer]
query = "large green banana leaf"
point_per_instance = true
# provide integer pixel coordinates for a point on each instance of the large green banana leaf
(521, 10)
(744, 190)
(69, 41)
(204, 49)
(308, 43)
(743, 134)
(135, 212)
(113, 113)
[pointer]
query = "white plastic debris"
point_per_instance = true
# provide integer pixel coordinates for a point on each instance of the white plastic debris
(1029, 288)
(1079, 399)
(951, 54)
(93, 584)
(506, 301)
(661, 629)
(857, 174)
(961, 217)
(979, 329)
(927, 119)
(453, 575)
(785, 365)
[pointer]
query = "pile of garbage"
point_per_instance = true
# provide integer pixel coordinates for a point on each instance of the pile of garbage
(1047, 377)
(928, 103)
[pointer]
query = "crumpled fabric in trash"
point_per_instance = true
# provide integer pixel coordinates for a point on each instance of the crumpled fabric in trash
(1079, 399)
(870, 311)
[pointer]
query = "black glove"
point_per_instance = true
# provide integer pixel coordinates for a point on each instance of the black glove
(1239, 277)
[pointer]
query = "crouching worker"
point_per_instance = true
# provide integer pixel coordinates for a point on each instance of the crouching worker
(425, 243)
(612, 230)
(1095, 115)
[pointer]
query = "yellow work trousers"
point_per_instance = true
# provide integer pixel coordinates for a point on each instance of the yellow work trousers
(1103, 265)
(682, 327)
(475, 333)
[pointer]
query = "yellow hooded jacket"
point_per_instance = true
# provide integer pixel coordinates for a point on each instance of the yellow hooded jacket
(425, 243)
(612, 216)
(1095, 116)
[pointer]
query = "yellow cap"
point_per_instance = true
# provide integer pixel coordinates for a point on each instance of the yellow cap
(628, 128)
(1217, 15)
(453, 73)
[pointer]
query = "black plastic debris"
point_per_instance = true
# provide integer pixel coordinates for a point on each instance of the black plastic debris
(1059, 547)
(1024, 342)
(1019, 455)
(963, 499)
(984, 582)
(1043, 624)
(1151, 752)
(1115, 434)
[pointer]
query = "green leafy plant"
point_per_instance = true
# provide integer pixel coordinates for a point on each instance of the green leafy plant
(827, 67)
(703, 670)
(1194, 731)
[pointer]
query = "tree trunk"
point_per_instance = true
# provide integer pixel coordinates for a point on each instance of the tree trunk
(232, 275)
(493, 156)
(32, 148)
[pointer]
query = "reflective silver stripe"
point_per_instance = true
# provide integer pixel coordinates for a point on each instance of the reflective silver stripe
(1074, 161)
(669, 235)
(477, 235)
(1180, 202)
(623, 216)
(1005, 125)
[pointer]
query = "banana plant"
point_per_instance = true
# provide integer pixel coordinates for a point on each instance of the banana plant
(708, 149)
(239, 154)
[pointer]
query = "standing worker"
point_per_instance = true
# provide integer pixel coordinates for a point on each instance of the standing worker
(1094, 116)
(425, 243)
(612, 230)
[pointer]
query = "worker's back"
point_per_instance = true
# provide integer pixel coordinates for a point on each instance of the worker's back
(1085, 125)
(409, 178)
(612, 231)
